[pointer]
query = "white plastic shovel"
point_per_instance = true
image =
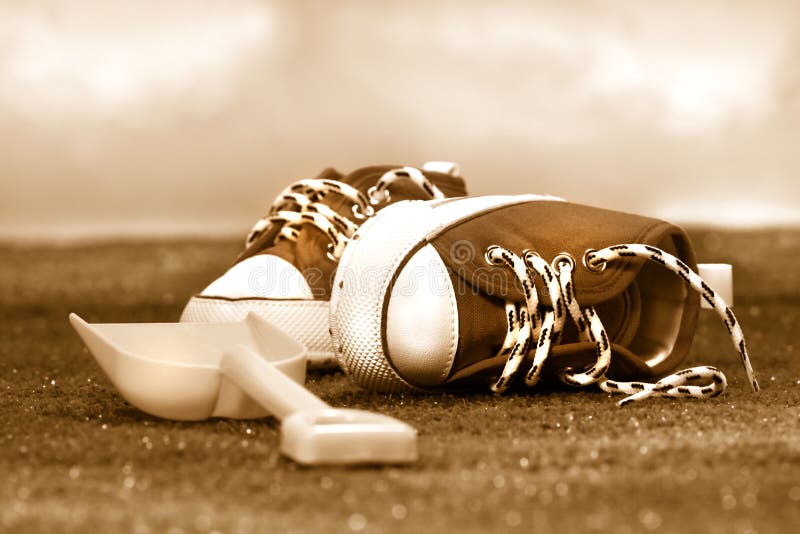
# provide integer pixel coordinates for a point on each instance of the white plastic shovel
(193, 371)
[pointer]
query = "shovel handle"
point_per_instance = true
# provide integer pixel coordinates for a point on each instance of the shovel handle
(268, 386)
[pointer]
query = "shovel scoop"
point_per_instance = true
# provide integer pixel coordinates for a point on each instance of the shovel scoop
(243, 370)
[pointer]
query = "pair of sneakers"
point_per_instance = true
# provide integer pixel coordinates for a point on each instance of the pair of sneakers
(410, 285)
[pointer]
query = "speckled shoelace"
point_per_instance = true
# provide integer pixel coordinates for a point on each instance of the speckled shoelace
(544, 325)
(303, 203)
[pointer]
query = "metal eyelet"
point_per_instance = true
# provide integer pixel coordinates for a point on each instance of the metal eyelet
(592, 269)
(562, 258)
(486, 254)
(358, 214)
(527, 253)
(330, 255)
(371, 192)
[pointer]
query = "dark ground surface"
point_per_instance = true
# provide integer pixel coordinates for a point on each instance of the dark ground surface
(75, 457)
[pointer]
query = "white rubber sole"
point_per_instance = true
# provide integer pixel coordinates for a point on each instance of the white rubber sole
(304, 320)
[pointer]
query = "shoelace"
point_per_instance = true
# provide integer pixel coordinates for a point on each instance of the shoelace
(303, 203)
(544, 325)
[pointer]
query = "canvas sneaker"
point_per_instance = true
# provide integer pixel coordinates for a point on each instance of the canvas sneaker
(285, 271)
(493, 291)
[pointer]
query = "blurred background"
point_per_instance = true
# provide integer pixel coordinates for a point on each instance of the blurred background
(178, 118)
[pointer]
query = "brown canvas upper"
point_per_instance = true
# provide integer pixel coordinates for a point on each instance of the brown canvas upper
(308, 253)
(622, 295)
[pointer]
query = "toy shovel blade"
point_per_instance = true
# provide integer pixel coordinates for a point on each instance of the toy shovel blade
(172, 370)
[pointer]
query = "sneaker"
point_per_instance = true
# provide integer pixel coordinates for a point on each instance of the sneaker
(489, 291)
(284, 272)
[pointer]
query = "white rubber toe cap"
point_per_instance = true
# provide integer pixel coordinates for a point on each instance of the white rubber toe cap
(422, 320)
(262, 276)
(358, 321)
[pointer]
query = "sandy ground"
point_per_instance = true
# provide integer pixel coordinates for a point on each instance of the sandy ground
(74, 456)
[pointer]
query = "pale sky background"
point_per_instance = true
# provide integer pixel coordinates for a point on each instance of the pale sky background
(175, 117)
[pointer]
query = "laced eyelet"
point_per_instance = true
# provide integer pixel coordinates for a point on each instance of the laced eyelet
(486, 256)
(563, 257)
(593, 269)
(329, 253)
(358, 214)
(374, 200)
(527, 253)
